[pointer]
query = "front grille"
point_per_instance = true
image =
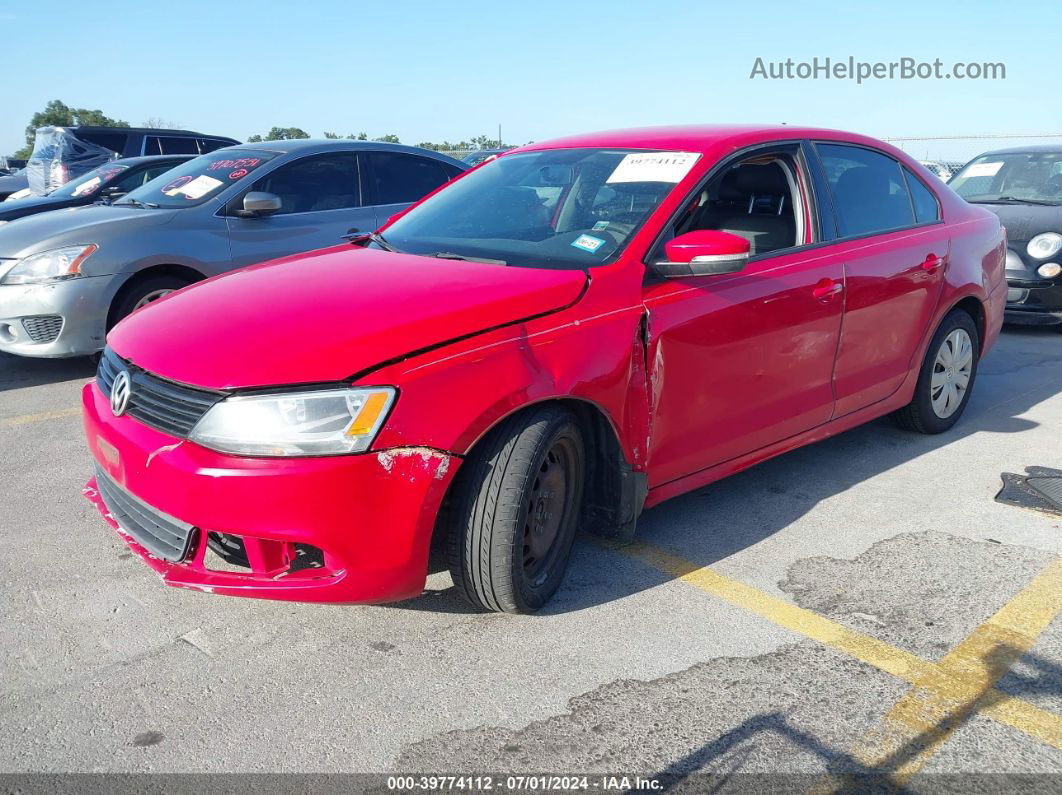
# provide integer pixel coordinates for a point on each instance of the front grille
(43, 328)
(163, 405)
(159, 533)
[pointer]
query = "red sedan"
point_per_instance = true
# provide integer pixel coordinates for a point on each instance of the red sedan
(558, 339)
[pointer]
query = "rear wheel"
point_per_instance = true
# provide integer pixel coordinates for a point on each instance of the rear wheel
(143, 292)
(946, 378)
(515, 511)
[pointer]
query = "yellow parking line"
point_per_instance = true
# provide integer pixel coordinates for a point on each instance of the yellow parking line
(923, 720)
(965, 676)
(872, 651)
(26, 419)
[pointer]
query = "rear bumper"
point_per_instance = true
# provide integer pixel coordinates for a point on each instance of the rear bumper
(372, 515)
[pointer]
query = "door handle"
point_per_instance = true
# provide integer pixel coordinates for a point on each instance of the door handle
(826, 289)
(932, 262)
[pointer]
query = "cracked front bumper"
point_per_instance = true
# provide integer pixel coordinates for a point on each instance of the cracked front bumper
(372, 515)
(55, 320)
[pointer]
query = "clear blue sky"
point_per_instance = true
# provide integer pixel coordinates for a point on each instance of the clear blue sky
(434, 71)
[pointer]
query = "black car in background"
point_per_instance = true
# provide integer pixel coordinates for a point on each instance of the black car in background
(61, 154)
(137, 141)
(1023, 186)
(107, 182)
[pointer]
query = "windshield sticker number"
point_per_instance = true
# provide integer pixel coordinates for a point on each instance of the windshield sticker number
(653, 167)
(174, 187)
(588, 243)
(243, 164)
(983, 169)
(198, 187)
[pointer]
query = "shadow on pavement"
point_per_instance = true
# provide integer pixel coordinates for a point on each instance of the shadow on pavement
(1023, 370)
(19, 372)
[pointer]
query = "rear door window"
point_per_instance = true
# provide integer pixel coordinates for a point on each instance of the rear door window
(114, 141)
(315, 183)
(170, 145)
(210, 144)
(401, 178)
(926, 207)
(868, 188)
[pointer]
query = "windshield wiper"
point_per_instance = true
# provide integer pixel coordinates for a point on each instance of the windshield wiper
(452, 255)
(135, 203)
(362, 238)
(1014, 200)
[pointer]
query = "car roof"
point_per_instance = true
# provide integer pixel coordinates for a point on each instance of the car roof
(1020, 150)
(154, 130)
(310, 145)
(700, 138)
(136, 161)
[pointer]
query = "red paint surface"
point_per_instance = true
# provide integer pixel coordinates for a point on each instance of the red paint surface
(699, 377)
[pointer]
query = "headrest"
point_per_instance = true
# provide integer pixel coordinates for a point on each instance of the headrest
(760, 179)
(863, 181)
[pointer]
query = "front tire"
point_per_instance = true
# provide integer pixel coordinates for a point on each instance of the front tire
(515, 511)
(143, 292)
(946, 378)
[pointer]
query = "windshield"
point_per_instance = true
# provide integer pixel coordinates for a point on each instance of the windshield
(198, 180)
(558, 208)
(1029, 176)
(89, 183)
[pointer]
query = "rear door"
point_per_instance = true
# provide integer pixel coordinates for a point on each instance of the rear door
(320, 203)
(894, 246)
(397, 179)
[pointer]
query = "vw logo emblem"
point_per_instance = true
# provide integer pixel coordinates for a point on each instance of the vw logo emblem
(120, 392)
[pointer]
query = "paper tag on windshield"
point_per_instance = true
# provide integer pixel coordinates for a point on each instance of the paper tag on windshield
(198, 187)
(87, 187)
(653, 167)
(983, 170)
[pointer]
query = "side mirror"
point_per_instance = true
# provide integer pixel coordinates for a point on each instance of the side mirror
(112, 193)
(703, 252)
(258, 203)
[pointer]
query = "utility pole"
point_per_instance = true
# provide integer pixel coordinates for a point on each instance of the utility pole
(499, 135)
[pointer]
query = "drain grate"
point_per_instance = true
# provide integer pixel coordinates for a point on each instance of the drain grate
(1040, 489)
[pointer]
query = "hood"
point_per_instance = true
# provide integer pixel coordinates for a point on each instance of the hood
(32, 205)
(74, 225)
(1026, 221)
(327, 315)
(9, 183)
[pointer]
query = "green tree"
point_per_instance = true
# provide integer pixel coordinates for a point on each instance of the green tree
(58, 113)
(391, 139)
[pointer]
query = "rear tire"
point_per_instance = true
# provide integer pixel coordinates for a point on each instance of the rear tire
(515, 511)
(142, 292)
(946, 378)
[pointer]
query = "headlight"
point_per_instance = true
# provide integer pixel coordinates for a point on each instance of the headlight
(1046, 245)
(328, 422)
(49, 266)
(1049, 270)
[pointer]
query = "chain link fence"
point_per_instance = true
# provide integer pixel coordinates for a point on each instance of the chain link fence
(949, 153)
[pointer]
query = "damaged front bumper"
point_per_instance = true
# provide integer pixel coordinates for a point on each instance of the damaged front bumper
(348, 529)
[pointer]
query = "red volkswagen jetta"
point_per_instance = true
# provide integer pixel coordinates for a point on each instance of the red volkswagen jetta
(558, 339)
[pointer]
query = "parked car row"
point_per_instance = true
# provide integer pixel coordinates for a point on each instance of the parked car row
(67, 277)
(560, 337)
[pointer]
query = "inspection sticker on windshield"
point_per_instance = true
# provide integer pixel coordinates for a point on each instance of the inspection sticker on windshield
(983, 170)
(599, 226)
(87, 187)
(198, 187)
(588, 243)
(653, 167)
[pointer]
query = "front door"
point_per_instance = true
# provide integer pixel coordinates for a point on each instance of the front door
(320, 203)
(742, 360)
